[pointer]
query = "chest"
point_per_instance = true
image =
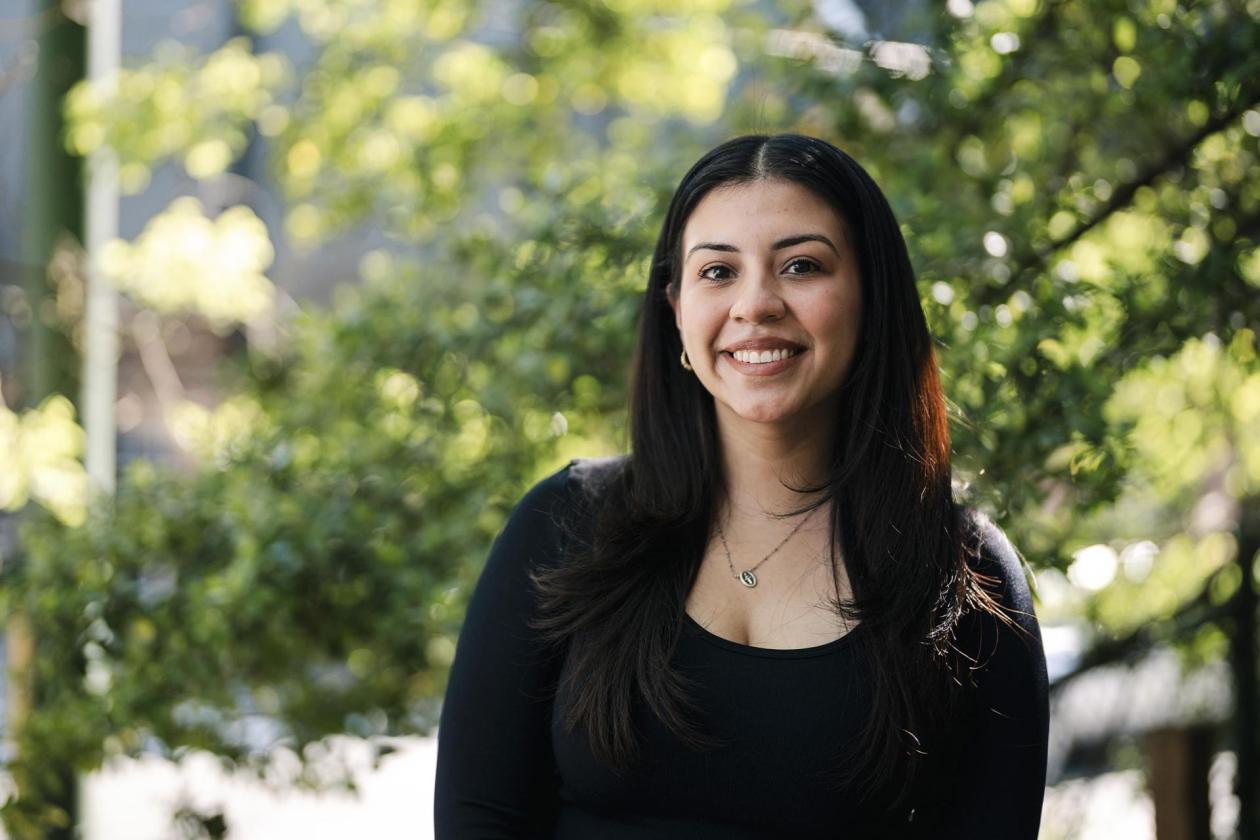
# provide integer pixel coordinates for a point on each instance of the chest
(780, 719)
(787, 608)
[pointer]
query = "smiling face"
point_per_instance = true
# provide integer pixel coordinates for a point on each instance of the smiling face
(769, 302)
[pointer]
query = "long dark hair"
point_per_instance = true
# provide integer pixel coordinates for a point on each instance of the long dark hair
(618, 600)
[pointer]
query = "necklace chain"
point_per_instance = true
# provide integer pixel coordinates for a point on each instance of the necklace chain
(747, 577)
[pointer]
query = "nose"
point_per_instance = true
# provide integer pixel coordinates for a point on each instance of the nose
(757, 299)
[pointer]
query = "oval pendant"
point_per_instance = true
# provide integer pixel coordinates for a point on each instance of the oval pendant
(747, 578)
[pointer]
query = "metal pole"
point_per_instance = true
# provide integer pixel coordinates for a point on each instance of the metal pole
(100, 329)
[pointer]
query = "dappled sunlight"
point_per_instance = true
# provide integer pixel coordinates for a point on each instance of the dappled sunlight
(44, 450)
(196, 108)
(1195, 414)
(214, 435)
(184, 262)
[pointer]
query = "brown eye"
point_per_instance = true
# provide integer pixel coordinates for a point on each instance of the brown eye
(810, 265)
(704, 273)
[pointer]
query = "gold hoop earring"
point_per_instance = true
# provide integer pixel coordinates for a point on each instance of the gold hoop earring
(683, 359)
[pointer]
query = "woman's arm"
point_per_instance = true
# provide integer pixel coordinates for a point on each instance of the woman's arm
(495, 769)
(1002, 783)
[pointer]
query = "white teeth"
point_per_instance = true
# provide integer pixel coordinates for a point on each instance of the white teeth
(754, 358)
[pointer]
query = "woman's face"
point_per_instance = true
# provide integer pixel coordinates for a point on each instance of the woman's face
(768, 273)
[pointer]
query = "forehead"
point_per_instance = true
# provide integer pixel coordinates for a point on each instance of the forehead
(760, 212)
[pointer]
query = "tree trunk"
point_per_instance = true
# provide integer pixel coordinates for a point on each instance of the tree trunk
(1178, 760)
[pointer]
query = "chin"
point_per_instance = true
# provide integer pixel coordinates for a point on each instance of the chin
(763, 413)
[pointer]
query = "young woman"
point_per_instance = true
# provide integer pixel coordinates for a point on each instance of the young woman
(771, 619)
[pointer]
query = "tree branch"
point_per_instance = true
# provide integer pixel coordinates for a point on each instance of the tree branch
(1121, 198)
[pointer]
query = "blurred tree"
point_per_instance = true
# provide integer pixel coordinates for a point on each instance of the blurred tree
(1076, 181)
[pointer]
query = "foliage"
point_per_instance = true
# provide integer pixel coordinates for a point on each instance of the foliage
(46, 446)
(220, 264)
(178, 104)
(1077, 182)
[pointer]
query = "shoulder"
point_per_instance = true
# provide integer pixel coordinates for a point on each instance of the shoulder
(581, 478)
(1006, 657)
(547, 493)
(991, 554)
(1004, 575)
(551, 505)
(591, 477)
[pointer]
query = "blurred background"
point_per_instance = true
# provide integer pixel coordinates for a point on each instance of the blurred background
(298, 296)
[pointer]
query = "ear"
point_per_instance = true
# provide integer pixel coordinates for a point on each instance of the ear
(671, 292)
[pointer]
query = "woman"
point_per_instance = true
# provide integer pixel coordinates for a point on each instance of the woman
(771, 619)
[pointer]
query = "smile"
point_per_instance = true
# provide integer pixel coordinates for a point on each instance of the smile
(752, 357)
(763, 363)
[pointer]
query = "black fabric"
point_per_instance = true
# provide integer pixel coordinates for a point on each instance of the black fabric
(507, 769)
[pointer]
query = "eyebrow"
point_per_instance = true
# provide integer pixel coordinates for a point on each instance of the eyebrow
(786, 242)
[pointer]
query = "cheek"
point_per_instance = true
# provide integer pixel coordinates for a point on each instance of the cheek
(832, 313)
(696, 319)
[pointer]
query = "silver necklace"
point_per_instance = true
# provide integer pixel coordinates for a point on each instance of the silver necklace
(747, 577)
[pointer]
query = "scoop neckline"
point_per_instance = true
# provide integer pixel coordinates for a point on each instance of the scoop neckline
(768, 653)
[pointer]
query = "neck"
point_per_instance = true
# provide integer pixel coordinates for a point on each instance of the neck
(759, 458)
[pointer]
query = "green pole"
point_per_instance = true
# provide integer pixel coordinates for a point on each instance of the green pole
(53, 203)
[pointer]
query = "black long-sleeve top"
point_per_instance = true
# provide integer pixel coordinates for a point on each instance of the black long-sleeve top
(508, 769)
